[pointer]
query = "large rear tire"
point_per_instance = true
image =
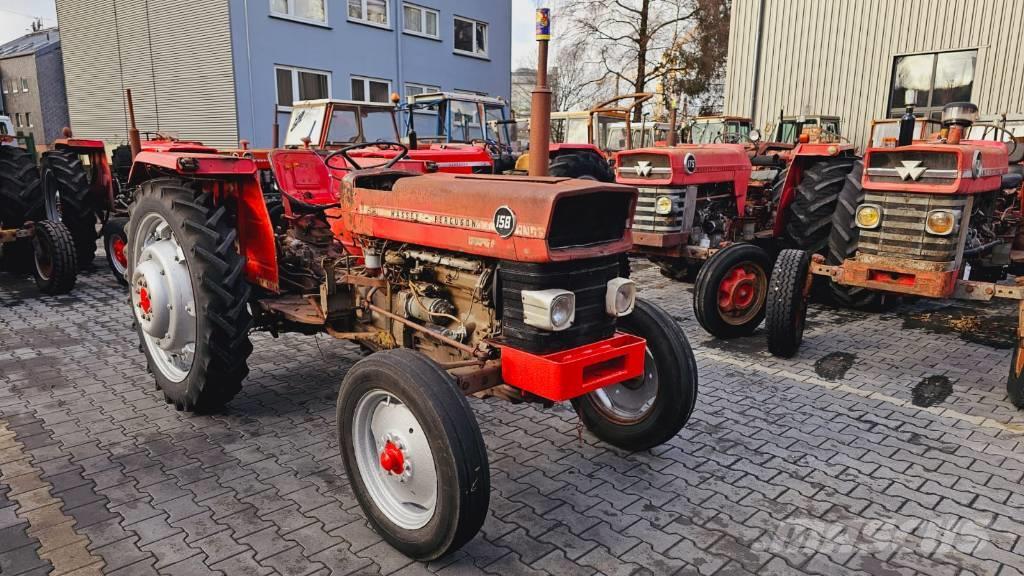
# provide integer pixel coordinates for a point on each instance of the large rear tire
(21, 200)
(809, 215)
(413, 452)
(730, 292)
(56, 267)
(66, 186)
(842, 245)
(786, 312)
(648, 411)
(582, 164)
(189, 295)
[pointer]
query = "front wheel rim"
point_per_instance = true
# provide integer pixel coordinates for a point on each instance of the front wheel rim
(43, 259)
(116, 248)
(742, 293)
(631, 401)
(394, 459)
(162, 298)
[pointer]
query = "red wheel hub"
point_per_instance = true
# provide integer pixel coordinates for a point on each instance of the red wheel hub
(392, 459)
(144, 301)
(118, 246)
(738, 290)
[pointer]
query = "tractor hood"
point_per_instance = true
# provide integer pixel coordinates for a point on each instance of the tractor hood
(684, 165)
(507, 217)
(968, 168)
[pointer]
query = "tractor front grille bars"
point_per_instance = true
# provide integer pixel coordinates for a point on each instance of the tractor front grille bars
(901, 232)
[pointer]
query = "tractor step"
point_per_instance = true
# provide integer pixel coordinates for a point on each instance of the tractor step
(300, 309)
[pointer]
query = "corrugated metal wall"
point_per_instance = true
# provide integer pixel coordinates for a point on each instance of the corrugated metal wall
(175, 55)
(836, 56)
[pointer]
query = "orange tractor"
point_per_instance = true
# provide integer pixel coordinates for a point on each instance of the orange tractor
(711, 212)
(933, 218)
(455, 284)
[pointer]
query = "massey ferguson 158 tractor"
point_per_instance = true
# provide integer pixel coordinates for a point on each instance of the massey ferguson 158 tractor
(708, 203)
(456, 285)
(925, 218)
(26, 239)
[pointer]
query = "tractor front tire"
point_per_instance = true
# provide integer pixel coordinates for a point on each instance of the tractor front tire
(730, 292)
(413, 452)
(1015, 381)
(809, 215)
(583, 164)
(189, 295)
(786, 312)
(842, 245)
(20, 201)
(66, 186)
(56, 267)
(115, 242)
(651, 409)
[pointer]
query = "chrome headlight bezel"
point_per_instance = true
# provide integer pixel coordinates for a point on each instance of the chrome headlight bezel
(953, 214)
(866, 206)
(620, 287)
(664, 205)
(540, 308)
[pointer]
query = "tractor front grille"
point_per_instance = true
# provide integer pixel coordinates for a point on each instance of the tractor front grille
(901, 233)
(645, 166)
(646, 219)
(586, 278)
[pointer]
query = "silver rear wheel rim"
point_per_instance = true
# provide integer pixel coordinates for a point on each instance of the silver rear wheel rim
(163, 300)
(408, 499)
(630, 401)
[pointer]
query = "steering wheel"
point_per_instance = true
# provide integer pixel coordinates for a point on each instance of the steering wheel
(491, 146)
(403, 152)
(1011, 152)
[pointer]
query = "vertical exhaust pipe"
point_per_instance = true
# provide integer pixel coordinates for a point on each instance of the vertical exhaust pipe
(134, 142)
(540, 105)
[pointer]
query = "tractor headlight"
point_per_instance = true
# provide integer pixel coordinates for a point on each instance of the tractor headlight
(620, 297)
(940, 222)
(663, 205)
(869, 216)
(549, 309)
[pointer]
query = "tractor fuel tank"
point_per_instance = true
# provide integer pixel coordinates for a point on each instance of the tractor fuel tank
(507, 217)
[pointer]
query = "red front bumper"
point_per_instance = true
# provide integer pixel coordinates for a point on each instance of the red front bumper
(570, 373)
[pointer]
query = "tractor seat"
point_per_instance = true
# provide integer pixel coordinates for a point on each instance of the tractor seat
(1013, 178)
(303, 177)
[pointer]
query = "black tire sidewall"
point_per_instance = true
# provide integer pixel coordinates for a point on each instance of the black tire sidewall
(1015, 382)
(422, 397)
(787, 322)
(710, 277)
(61, 250)
(677, 384)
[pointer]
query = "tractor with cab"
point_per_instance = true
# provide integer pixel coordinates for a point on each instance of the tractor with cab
(455, 285)
(929, 218)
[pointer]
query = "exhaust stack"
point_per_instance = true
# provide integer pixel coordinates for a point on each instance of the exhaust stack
(134, 142)
(540, 105)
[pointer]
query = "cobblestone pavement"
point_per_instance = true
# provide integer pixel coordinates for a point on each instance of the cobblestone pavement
(886, 447)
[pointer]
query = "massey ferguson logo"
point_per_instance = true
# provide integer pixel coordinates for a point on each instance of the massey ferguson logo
(643, 168)
(504, 221)
(911, 170)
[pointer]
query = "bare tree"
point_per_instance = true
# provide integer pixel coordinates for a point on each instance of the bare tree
(576, 84)
(627, 38)
(698, 58)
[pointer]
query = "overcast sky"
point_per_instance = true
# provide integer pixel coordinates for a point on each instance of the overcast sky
(16, 16)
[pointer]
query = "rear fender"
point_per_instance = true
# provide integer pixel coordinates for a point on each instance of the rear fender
(230, 179)
(801, 157)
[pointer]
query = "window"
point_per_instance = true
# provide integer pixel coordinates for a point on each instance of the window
(930, 81)
(370, 90)
(470, 37)
(6, 86)
(419, 20)
(373, 12)
(24, 84)
(17, 119)
(417, 89)
(295, 84)
(313, 11)
(28, 119)
(466, 125)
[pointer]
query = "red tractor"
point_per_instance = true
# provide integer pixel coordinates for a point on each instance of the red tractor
(455, 284)
(27, 239)
(935, 218)
(711, 212)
